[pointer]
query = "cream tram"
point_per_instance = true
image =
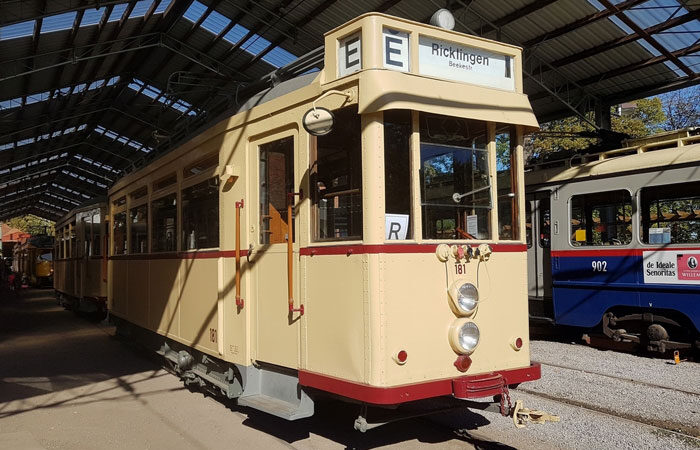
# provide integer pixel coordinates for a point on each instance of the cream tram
(80, 281)
(356, 231)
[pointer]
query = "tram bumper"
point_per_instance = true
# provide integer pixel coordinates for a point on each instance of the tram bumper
(465, 387)
(490, 384)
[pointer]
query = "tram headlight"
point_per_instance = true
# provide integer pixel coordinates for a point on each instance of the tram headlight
(464, 336)
(465, 298)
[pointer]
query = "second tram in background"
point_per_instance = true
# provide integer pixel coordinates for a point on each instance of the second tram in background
(614, 241)
(81, 259)
(32, 261)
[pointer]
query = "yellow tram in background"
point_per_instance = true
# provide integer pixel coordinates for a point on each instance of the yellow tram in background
(32, 261)
(81, 259)
(356, 231)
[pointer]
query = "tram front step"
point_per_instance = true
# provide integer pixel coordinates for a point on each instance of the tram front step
(279, 408)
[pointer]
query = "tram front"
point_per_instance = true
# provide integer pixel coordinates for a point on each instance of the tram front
(434, 200)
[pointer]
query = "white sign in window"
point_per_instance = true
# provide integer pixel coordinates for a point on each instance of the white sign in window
(451, 61)
(396, 50)
(349, 55)
(396, 226)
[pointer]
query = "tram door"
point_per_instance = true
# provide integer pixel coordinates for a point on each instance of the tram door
(538, 235)
(277, 331)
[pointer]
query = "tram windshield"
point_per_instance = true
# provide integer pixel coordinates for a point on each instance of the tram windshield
(454, 175)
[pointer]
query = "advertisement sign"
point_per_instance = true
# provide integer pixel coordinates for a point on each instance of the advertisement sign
(671, 267)
(451, 61)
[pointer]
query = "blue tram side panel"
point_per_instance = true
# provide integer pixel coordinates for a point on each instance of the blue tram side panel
(585, 287)
(624, 230)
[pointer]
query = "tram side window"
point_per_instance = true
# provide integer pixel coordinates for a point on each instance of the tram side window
(164, 230)
(528, 224)
(397, 173)
(602, 218)
(337, 179)
(119, 230)
(138, 222)
(276, 181)
(96, 235)
(506, 181)
(200, 215)
(671, 213)
(454, 173)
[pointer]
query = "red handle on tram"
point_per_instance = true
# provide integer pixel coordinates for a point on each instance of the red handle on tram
(290, 254)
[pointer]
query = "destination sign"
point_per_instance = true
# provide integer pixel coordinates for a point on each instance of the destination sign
(451, 61)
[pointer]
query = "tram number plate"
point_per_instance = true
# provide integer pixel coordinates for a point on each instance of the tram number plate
(212, 334)
(599, 266)
(460, 268)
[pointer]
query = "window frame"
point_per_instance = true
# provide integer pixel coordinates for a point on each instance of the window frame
(211, 172)
(313, 171)
(639, 225)
(569, 207)
(257, 143)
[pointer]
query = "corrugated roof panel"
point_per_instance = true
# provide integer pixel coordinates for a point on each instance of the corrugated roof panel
(164, 4)
(195, 11)
(58, 22)
(679, 37)
(215, 22)
(17, 30)
(140, 8)
(92, 16)
(117, 12)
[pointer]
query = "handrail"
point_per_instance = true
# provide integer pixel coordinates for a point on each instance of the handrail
(290, 254)
(105, 252)
(239, 301)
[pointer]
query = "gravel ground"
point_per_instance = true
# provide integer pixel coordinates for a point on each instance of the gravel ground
(579, 428)
(684, 376)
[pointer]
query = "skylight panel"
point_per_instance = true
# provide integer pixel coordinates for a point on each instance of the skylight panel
(215, 22)
(255, 44)
(117, 12)
(12, 103)
(278, 57)
(163, 6)
(140, 8)
(680, 36)
(40, 97)
(58, 22)
(195, 11)
(92, 16)
(155, 93)
(237, 33)
(17, 30)
(653, 12)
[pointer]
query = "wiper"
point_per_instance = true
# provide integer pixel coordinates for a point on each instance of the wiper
(457, 197)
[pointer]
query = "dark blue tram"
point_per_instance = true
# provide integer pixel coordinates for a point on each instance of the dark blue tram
(614, 241)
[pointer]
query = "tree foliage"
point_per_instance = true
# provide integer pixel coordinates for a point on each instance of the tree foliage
(682, 108)
(32, 224)
(564, 135)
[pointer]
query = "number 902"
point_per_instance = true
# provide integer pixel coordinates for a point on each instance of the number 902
(599, 266)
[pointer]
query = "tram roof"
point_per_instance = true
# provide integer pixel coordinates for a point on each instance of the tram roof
(90, 90)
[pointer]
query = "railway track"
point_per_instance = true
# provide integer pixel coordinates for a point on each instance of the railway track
(626, 379)
(689, 432)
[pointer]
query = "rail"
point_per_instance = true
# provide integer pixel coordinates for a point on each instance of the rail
(645, 145)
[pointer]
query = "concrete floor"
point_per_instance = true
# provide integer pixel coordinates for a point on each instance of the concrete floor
(67, 383)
